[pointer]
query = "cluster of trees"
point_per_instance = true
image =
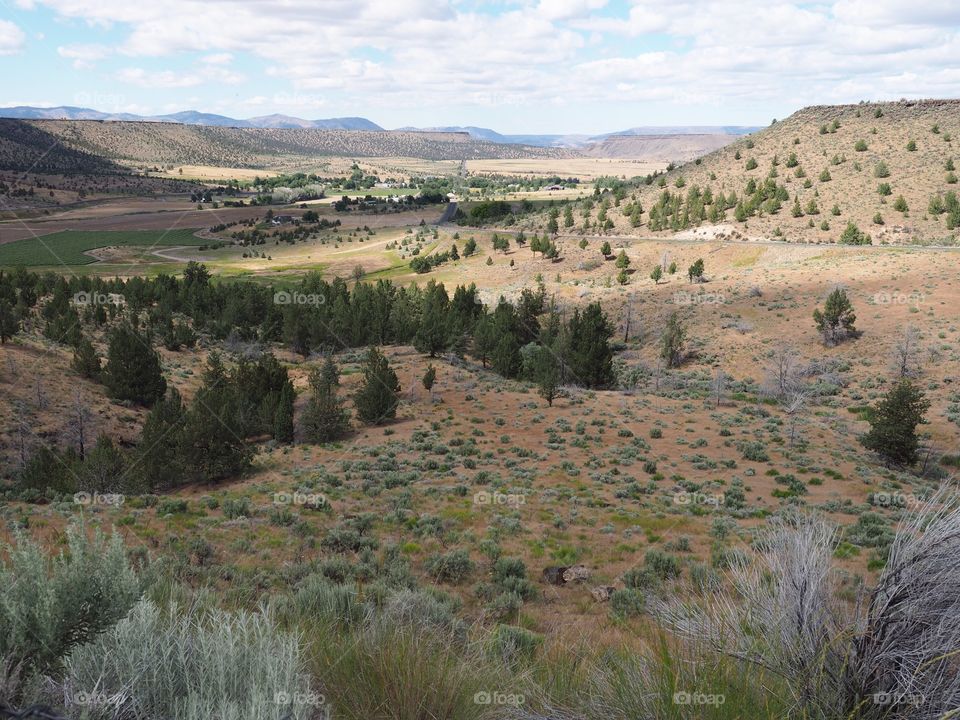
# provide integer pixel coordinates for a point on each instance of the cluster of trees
(946, 204)
(426, 263)
(209, 438)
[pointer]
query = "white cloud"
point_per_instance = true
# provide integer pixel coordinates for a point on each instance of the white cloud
(11, 38)
(544, 53)
(161, 79)
(84, 57)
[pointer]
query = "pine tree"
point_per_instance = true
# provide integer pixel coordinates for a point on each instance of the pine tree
(433, 335)
(588, 352)
(672, 341)
(695, 271)
(605, 249)
(657, 274)
(9, 324)
(546, 372)
(325, 419)
(623, 262)
(158, 458)
(85, 360)
(379, 394)
(837, 319)
(283, 416)
(429, 378)
(484, 339)
(133, 368)
(893, 424)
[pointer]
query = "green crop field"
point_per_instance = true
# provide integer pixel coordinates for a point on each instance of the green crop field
(69, 246)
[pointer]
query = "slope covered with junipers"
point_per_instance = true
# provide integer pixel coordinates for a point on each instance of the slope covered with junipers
(154, 143)
(889, 168)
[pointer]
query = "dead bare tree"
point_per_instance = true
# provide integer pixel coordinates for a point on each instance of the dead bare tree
(906, 353)
(720, 381)
(781, 378)
(794, 409)
(81, 417)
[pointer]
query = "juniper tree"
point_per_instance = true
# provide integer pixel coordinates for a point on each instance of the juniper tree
(836, 321)
(325, 419)
(133, 367)
(672, 341)
(377, 398)
(893, 424)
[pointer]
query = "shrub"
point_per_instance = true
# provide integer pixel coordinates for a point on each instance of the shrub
(191, 665)
(661, 564)
(626, 602)
(47, 606)
(452, 567)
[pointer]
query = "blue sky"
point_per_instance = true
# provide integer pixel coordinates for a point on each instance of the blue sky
(568, 66)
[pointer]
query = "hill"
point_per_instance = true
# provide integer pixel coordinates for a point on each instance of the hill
(155, 143)
(665, 148)
(877, 165)
(187, 117)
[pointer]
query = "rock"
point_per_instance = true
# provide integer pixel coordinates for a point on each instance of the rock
(554, 575)
(576, 573)
(602, 593)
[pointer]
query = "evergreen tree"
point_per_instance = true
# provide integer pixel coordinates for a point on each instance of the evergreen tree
(546, 372)
(85, 360)
(605, 249)
(623, 262)
(283, 416)
(837, 319)
(470, 247)
(429, 378)
(588, 352)
(133, 367)
(656, 274)
(484, 340)
(379, 394)
(9, 324)
(433, 335)
(695, 271)
(325, 419)
(158, 460)
(893, 424)
(672, 341)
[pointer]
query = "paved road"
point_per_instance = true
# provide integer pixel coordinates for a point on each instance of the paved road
(448, 213)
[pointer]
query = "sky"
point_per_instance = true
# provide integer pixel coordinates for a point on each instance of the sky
(528, 66)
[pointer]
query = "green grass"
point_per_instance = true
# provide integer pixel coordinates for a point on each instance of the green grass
(68, 247)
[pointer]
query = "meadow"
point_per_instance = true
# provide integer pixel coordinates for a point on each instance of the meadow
(71, 247)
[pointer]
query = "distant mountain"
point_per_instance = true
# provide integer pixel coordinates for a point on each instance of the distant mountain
(188, 117)
(683, 130)
(582, 141)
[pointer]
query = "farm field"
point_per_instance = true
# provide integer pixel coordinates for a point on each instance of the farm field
(72, 247)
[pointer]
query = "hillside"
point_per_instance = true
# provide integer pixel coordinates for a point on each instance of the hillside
(666, 148)
(836, 162)
(155, 143)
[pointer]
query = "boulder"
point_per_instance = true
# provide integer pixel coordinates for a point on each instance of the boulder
(554, 575)
(576, 573)
(602, 593)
